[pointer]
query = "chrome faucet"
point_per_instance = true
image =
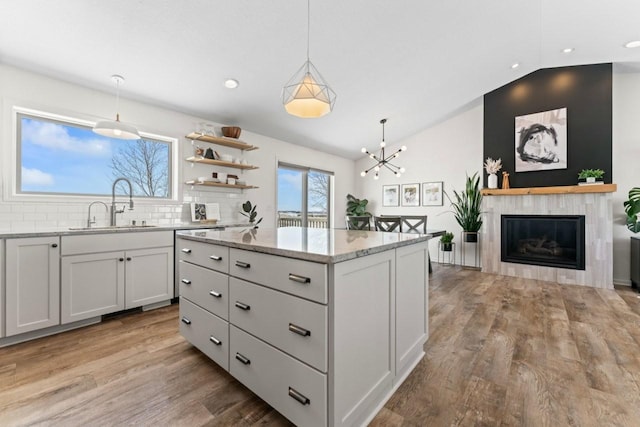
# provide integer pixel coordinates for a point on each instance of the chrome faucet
(89, 221)
(114, 210)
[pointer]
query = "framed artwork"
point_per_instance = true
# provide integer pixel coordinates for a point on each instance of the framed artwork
(205, 212)
(541, 141)
(432, 193)
(410, 194)
(391, 195)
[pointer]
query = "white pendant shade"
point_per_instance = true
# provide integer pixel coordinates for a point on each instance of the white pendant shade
(307, 95)
(116, 129)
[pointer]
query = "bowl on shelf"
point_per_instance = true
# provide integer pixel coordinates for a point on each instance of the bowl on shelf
(231, 131)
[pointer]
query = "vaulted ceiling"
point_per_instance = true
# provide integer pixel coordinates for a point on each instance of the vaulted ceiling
(413, 62)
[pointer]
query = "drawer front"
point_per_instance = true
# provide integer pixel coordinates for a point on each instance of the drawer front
(294, 325)
(206, 255)
(302, 278)
(93, 243)
(294, 389)
(207, 288)
(207, 332)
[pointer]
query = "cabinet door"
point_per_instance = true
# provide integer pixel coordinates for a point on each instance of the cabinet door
(92, 285)
(149, 276)
(32, 284)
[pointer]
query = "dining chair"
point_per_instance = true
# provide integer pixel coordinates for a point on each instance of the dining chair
(414, 224)
(358, 222)
(388, 223)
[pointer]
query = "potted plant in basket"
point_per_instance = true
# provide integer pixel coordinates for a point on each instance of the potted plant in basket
(446, 242)
(466, 208)
(591, 176)
(492, 167)
(357, 207)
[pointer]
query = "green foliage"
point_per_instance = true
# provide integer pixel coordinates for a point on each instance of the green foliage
(357, 207)
(632, 209)
(591, 173)
(466, 207)
(446, 237)
(250, 212)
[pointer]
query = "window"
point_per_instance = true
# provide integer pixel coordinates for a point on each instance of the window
(303, 197)
(61, 157)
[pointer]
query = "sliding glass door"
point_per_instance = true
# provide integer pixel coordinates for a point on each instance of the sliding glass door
(303, 196)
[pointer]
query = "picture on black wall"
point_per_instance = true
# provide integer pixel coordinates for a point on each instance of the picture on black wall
(541, 141)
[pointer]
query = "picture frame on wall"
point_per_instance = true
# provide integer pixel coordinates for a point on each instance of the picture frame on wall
(541, 141)
(432, 193)
(391, 195)
(410, 195)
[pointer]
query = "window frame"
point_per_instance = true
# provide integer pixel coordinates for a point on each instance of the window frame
(13, 163)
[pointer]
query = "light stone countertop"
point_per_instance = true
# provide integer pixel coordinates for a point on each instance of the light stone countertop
(66, 231)
(322, 245)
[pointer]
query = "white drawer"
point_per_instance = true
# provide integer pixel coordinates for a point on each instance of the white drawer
(93, 243)
(294, 325)
(303, 278)
(203, 254)
(207, 288)
(277, 377)
(207, 332)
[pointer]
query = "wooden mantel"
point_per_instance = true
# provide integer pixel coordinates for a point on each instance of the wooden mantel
(566, 189)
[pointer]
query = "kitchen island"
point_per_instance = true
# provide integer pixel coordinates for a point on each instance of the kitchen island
(322, 324)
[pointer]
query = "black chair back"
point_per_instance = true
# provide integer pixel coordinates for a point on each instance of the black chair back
(358, 222)
(388, 223)
(414, 224)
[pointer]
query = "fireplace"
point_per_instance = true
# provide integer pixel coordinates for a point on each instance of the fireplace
(545, 240)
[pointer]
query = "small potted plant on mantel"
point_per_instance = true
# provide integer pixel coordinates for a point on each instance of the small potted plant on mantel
(446, 242)
(590, 177)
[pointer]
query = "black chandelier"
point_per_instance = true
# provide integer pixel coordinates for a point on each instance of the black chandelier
(382, 160)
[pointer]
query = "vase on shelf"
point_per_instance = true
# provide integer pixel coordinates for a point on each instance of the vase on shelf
(493, 180)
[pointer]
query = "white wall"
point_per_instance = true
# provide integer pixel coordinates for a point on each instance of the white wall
(25, 89)
(443, 152)
(626, 157)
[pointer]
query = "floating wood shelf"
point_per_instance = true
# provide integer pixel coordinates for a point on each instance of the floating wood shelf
(220, 184)
(566, 189)
(227, 142)
(219, 163)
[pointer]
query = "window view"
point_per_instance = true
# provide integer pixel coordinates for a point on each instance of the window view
(303, 197)
(56, 157)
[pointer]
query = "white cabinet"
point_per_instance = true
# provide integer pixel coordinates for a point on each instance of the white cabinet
(105, 273)
(92, 285)
(32, 283)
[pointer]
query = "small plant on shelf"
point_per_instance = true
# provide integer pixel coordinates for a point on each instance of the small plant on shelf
(446, 241)
(250, 212)
(595, 174)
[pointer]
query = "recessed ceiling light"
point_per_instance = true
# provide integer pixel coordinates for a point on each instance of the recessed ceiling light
(231, 83)
(567, 50)
(515, 65)
(634, 43)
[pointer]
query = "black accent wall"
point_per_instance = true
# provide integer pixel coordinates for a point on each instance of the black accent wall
(586, 92)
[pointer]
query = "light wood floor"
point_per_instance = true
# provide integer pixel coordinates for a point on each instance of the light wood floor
(502, 351)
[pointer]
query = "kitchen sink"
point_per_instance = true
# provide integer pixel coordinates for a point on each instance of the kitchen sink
(113, 227)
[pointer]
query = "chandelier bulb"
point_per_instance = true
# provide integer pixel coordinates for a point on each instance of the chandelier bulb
(398, 174)
(376, 176)
(377, 168)
(382, 144)
(364, 150)
(402, 170)
(371, 156)
(403, 148)
(396, 155)
(363, 173)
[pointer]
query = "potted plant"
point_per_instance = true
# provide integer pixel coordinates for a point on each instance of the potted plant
(632, 209)
(591, 176)
(492, 167)
(250, 212)
(446, 242)
(357, 207)
(466, 208)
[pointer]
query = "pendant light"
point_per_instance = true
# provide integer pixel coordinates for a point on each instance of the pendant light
(382, 160)
(116, 129)
(307, 94)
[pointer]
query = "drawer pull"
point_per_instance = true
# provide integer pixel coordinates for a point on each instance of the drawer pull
(299, 397)
(243, 359)
(299, 279)
(215, 340)
(185, 321)
(186, 250)
(215, 294)
(215, 258)
(242, 264)
(298, 330)
(243, 306)
(186, 281)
